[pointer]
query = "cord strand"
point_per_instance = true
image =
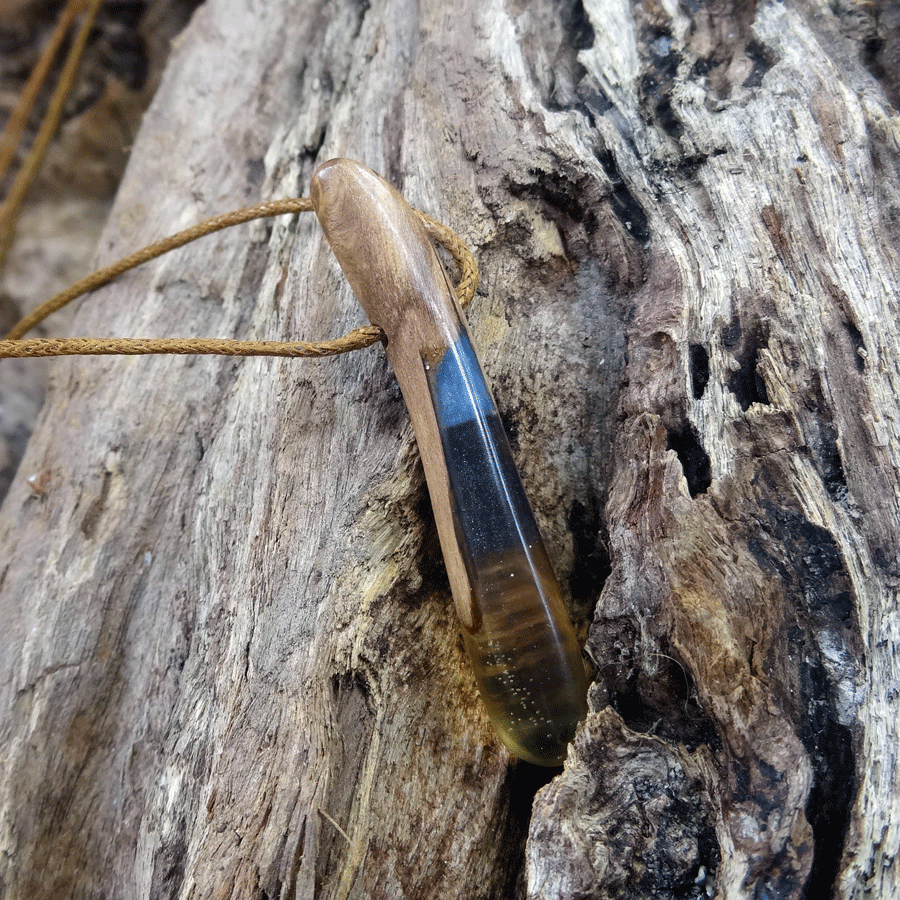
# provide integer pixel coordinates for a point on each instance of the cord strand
(360, 338)
(9, 209)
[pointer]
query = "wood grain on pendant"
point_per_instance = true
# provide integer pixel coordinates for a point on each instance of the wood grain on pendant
(516, 629)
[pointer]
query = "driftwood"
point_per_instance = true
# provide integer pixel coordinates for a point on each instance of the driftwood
(230, 666)
(57, 230)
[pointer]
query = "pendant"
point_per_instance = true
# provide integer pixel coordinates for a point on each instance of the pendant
(516, 630)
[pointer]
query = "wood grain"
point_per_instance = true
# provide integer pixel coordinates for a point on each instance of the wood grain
(395, 273)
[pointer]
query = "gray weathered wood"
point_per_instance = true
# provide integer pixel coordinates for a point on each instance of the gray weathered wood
(230, 666)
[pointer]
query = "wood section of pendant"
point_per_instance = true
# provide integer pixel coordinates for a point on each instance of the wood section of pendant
(516, 629)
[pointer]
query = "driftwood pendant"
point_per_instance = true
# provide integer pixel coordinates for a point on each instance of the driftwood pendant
(516, 629)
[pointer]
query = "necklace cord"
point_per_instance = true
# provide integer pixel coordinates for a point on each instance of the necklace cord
(16, 345)
(359, 338)
(15, 126)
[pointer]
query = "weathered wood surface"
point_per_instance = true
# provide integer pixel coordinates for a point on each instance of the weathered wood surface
(229, 666)
(57, 229)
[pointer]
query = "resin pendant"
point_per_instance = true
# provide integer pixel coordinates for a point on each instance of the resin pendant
(515, 626)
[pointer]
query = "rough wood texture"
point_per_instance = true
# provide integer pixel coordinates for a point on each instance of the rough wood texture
(226, 629)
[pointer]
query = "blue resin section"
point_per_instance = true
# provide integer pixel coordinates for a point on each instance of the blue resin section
(459, 389)
(490, 510)
(523, 648)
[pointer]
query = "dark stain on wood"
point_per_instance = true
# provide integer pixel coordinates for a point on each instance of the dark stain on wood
(808, 563)
(571, 88)
(825, 111)
(655, 96)
(830, 803)
(169, 863)
(650, 810)
(656, 695)
(856, 353)
(595, 219)
(882, 51)
(821, 435)
(353, 721)
(624, 204)
(762, 58)
(727, 54)
(859, 346)
(591, 563)
(775, 227)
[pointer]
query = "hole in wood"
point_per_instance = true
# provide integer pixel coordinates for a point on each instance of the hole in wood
(693, 458)
(745, 342)
(699, 359)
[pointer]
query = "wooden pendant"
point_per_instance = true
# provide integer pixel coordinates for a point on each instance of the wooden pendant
(516, 629)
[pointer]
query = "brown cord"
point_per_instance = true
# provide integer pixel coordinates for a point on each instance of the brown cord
(18, 118)
(14, 346)
(173, 242)
(358, 339)
(9, 210)
(35, 347)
